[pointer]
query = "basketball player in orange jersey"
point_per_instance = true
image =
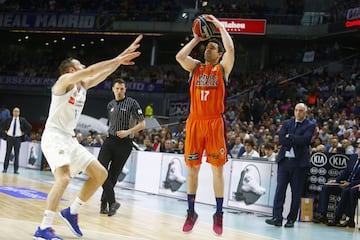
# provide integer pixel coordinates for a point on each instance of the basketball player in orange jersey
(205, 126)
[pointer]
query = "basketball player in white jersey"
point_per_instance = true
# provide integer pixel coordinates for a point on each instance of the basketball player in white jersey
(65, 156)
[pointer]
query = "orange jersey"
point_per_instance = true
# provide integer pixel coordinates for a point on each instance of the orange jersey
(207, 91)
(205, 126)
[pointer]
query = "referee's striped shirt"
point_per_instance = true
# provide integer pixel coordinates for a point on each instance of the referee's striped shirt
(123, 114)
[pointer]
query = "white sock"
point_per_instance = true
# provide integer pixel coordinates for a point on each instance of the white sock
(75, 206)
(47, 219)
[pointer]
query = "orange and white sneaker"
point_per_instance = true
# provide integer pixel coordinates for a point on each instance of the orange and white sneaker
(218, 223)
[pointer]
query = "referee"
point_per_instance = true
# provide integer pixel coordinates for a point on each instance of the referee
(125, 119)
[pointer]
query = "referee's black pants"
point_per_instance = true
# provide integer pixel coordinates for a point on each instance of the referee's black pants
(113, 155)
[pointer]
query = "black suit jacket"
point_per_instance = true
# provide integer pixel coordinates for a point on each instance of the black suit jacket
(299, 139)
(25, 126)
(345, 174)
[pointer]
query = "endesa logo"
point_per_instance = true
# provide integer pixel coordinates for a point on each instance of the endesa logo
(318, 159)
(338, 161)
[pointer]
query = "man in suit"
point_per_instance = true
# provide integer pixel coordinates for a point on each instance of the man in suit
(293, 162)
(15, 128)
(345, 185)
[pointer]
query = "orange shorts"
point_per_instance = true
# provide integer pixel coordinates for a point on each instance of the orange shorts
(205, 135)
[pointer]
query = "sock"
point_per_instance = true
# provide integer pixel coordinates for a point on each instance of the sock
(191, 202)
(75, 206)
(219, 204)
(47, 219)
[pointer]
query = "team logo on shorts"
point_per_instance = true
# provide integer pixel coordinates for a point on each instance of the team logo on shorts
(192, 157)
(222, 151)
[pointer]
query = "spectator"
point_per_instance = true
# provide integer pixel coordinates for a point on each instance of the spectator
(269, 152)
(250, 149)
(149, 111)
(180, 147)
(148, 145)
(80, 139)
(168, 146)
(349, 149)
(98, 141)
(237, 149)
(334, 144)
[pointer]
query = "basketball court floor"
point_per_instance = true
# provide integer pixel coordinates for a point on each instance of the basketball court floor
(141, 216)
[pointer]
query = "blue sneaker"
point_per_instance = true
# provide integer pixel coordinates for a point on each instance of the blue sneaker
(47, 234)
(71, 220)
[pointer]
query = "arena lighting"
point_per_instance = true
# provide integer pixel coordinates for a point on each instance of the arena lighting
(89, 33)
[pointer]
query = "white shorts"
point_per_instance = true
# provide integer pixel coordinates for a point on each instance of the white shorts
(61, 149)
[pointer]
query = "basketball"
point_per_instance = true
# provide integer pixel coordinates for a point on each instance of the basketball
(203, 28)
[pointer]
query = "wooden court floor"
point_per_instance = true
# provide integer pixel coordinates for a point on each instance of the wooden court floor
(19, 217)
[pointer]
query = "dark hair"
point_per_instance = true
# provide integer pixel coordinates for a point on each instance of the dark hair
(219, 43)
(269, 146)
(118, 80)
(65, 65)
(250, 142)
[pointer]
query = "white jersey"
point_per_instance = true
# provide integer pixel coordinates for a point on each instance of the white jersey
(65, 110)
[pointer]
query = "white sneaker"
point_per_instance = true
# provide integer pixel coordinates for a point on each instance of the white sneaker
(250, 185)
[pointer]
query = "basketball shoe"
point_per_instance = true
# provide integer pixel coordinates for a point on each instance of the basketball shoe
(72, 221)
(47, 234)
(218, 223)
(190, 221)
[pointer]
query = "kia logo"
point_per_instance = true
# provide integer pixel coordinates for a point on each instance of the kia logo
(322, 180)
(338, 161)
(333, 172)
(314, 170)
(322, 171)
(313, 179)
(318, 159)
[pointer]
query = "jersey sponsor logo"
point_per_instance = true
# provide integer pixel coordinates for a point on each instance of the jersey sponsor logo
(207, 81)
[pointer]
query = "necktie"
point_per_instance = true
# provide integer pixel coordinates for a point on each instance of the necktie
(353, 172)
(14, 130)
